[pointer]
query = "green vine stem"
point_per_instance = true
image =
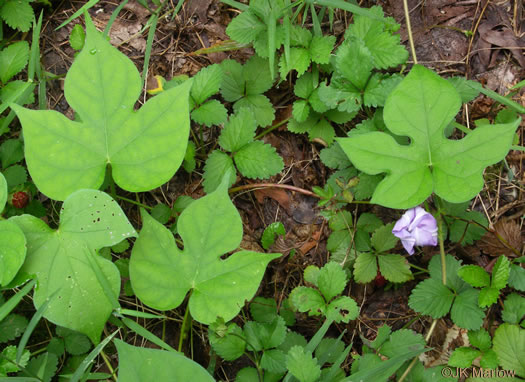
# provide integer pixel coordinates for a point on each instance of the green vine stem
(108, 364)
(409, 30)
(443, 279)
(442, 249)
(132, 202)
(254, 359)
(271, 128)
(186, 323)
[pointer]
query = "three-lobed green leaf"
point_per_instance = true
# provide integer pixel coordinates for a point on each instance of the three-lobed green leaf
(66, 264)
(162, 274)
(141, 364)
(144, 148)
(421, 107)
(12, 251)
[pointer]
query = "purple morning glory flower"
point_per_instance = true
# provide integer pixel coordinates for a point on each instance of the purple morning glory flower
(416, 227)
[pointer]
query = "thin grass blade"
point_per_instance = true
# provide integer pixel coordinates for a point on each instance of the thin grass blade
(85, 7)
(79, 372)
(141, 331)
(10, 304)
(32, 325)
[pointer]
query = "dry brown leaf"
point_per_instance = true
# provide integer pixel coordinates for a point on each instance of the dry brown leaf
(311, 243)
(509, 231)
(277, 194)
(502, 37)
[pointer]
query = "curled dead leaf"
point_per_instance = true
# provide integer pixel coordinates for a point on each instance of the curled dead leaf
(504, 239)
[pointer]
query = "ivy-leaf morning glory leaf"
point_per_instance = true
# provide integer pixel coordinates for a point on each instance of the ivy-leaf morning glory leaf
(162, 274)
(141, 364)
(12, 251)
(3, 192)
(64, 260)
(421, 107)
(144, 148)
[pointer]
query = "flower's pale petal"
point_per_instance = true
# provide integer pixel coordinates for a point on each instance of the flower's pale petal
(408, 244)
(402, 234)
(416, 227)
(428, 222)
(423, 237)
(402, 224)
(419, 214)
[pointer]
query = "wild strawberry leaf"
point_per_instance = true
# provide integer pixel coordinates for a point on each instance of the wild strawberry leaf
(509, 345)
(18, 14)
(63, 260)
(144, 148)
(385, 48)
(421, 107)
(13, 59)
(218, 165)
(244, 85)
(162, 274)
(258, 160)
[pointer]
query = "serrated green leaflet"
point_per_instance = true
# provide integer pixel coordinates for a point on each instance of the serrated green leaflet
(514, 310)
(162, 274)
(463, 357)
(384, 47)
(365, 267)
(265, 335)
(401, 341)
(480, 339)
(431, 297)
(302, 365)
(12, 251)
(394, 268)
(421, 107)
(270, 233)
(254, 159)
(144, 148)
(62, 260)
(465, 311)
(230, 345)
(258, 160)
(138, 364)
(244, 85)
(218, 165)
(17, 14)
(509, 345)
(205, 84)
(331, 280)
(11, 327)
(13, 59)
(474, 275)
(309, 300)
(500, 273)
(238, 131)
(382, 239)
